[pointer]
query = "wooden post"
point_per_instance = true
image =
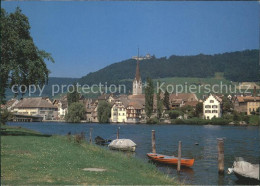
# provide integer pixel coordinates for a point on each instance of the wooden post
(220, 156)
(153, 142)
(179, 157)
(117, 134)
(90, 135)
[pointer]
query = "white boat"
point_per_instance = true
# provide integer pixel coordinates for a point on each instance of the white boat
(122, 144)
(245, 170)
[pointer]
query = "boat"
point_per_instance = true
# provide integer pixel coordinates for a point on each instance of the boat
(171, 160)
(245, 170)
(122, 144)
(100, 141)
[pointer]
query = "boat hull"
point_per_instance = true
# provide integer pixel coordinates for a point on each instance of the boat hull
(171, 160)
(246, 179)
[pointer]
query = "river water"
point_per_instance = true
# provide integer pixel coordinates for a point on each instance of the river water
(239, 141)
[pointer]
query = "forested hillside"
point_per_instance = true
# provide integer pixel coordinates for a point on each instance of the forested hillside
(236, 66)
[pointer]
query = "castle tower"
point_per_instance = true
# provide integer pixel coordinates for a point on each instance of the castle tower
(137, 83)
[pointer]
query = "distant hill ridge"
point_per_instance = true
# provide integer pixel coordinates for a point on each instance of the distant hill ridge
(236, 66)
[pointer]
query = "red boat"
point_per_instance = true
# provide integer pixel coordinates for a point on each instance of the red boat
(172, 160)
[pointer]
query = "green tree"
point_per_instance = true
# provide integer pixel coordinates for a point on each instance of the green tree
(236, 116)
(166, 100)
(199, 109)
(159, 103)
(258, 111)
(104, 112)
(21, 61)
(173, 114)
(149, 91)
(227, 105)
(6, 115)
(76, 113)
(73, 97)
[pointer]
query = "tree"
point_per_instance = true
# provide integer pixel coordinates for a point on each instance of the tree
(76, 113)
(21, 61)
(104, 111)
(149, 91)
(6, 115)
(166, 100)
(159, 104)
(173, 114)
(227, 105)
(73, 96)
(258, 111)
(199, 109)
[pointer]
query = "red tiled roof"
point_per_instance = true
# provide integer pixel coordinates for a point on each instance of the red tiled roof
(247, 98)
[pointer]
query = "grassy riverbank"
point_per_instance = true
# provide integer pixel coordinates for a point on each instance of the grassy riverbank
(31, 158)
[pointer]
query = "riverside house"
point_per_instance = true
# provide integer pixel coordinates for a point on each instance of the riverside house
(246, 104)
(212, 107)
(62, 105)
(37, 106)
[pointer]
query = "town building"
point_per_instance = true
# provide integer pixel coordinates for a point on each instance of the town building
(36, 106)
(91, 110)
(182, 99)
(137, 83)
(246, 104)
(212, 107)
(62, 105)
(140, 58)
(10, 104)
(118, 112)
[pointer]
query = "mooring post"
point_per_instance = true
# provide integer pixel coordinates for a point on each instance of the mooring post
(220, 156)
(117, 134)
(179, 157)
(90, 135)
(153, 142)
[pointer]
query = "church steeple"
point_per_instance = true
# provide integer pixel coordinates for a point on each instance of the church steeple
(137, 83)
(137, 72)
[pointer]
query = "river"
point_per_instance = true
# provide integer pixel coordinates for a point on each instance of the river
(239, 141)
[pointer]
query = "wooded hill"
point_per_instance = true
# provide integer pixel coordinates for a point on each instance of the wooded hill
(236, 66)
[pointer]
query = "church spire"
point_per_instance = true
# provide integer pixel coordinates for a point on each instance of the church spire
(137, 83)
(137, 72)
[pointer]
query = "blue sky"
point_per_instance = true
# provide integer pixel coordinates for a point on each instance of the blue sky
(86, 36)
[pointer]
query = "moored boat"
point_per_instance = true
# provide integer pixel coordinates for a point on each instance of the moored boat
(245, 170)
(122, 144)
(100, 141)
(171, 160)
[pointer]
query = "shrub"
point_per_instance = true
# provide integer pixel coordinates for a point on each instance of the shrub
(152, 121)
(219, 121)
(173, 114)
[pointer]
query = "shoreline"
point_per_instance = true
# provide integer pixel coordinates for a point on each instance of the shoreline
(191, 121)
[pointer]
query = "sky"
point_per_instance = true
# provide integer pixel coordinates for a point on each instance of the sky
(84, 37)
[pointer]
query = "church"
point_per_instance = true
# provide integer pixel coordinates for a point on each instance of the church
(130, 108)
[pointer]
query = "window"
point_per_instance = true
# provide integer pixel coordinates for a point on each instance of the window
(214, 106)
(214, 111)
(207, 106)
(211, 101)
(207, 111)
